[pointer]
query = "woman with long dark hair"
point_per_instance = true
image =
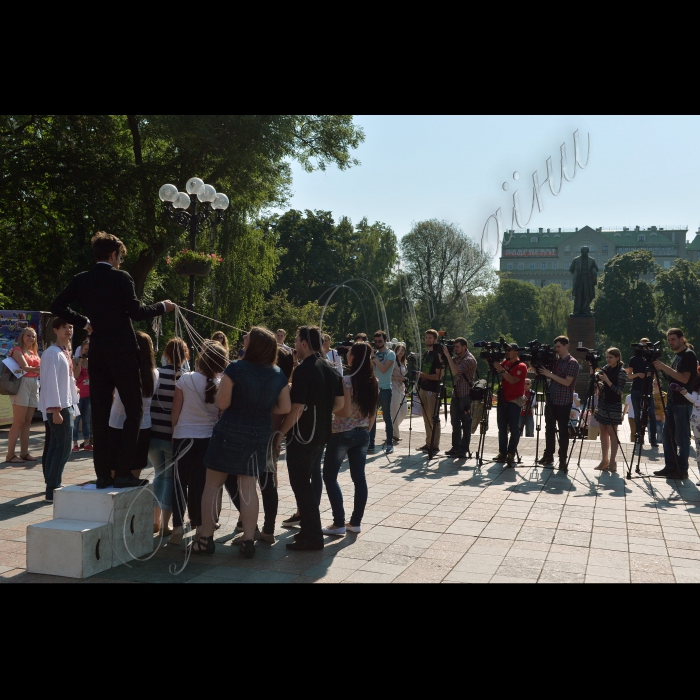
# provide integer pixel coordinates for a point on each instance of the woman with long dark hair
(351, 426)
(608, 412)
(117, 416)
(252, 390)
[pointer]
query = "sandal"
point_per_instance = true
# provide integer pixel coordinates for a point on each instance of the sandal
(204, 545)
(14, 459)
(28, 458)
(612, 467)
(603, 466)
(248, 549)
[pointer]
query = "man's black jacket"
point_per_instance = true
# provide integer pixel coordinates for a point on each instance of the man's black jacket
(108, 297)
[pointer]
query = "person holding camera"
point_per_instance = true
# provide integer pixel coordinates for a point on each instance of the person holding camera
(463, 367)
(513, 372)
(383, 361)
(611, 381)
(676, 434)
(558, 405)
(429, 389)
(638, 371)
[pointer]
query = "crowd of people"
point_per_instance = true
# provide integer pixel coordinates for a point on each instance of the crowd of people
(220, 424)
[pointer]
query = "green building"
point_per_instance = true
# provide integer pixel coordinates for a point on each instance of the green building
(544, 256)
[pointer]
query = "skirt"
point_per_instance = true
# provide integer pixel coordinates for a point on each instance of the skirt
(234, 452)
(608, 413)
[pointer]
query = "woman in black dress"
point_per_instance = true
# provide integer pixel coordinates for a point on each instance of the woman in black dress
(608, 412)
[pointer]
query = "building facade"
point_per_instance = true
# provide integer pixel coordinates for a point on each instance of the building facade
(544, 257)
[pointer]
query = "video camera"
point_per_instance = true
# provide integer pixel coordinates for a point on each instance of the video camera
(493, 351)
(592, 356)
(539, 355)
(343, 346)
(449, 344)
(649, 352)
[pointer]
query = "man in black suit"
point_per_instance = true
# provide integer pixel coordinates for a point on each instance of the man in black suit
(108, 296)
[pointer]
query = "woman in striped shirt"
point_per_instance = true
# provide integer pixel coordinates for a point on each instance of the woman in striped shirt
(160, 454)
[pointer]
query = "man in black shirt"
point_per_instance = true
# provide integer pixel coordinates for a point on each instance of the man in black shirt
(429, 389)
(638, 371)
(317, 391)
(678, 409)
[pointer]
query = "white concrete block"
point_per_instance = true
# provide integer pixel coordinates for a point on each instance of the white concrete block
(129, 512)
(72, 548)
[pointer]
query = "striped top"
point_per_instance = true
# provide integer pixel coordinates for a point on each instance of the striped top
(162, 404)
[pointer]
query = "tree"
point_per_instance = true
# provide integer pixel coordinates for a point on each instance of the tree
(444, 266)
(625, 308)
(279, 312)
(677, 296)
(555, 307)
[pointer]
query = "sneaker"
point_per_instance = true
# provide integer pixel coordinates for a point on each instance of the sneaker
(500, 457)
(453, 452)
(333, 530)
(546, 460)
(425, 448)
(564, 468)
(76, 448)
(88, 448)
(352, 528)
(389, 449)
(292, 521)
(664, 472)
(510, 458)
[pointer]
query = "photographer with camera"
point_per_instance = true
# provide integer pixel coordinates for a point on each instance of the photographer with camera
(611, 383)
(463, 368)
(510, 400)
(676, 434)
(429, 389)
(383, 362)
(561, 395)
(638, 370)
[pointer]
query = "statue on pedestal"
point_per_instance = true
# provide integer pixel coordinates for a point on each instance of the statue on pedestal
(585, 272)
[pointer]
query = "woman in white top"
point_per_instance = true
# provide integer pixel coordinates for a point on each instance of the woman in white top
(332, 355)
(194, 416)
(117, 416)
(399, 405)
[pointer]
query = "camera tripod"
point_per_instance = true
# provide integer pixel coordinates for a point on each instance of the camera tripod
(409, 388)
(538, 412)
(584, 419)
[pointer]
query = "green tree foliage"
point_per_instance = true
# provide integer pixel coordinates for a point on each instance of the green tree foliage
(67, 176)
(445, 267)
(677, 296)
(555, 307)
(279, 312)
(624, 307)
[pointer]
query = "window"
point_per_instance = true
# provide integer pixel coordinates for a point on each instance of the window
(641, 239)
(509, 266)
(667, 264)
(533, 239)
(605, 248)
(555, 266)
(532, 266)
(521, 266)
(544, 265)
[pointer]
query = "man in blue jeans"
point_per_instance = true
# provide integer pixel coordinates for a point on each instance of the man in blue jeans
(383, 361)
(677, 424)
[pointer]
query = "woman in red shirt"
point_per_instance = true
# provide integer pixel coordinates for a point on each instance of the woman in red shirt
(26, 400)
(82, 381)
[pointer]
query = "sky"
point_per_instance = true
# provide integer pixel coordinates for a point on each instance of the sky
(642, 170)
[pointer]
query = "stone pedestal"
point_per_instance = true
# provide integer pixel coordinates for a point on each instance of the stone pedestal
(581, 332)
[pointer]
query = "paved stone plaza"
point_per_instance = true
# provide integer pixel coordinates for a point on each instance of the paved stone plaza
(433, 521)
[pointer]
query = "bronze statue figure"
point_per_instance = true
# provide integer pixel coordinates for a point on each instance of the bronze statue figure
(585, 272)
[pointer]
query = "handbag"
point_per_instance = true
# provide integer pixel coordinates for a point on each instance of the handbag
(520, 401)
(9, 382)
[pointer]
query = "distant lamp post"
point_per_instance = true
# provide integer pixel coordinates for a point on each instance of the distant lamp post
(207, 202)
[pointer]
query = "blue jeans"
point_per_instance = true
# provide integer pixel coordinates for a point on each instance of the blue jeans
(508, 416)
(385, 403)
(160, 457)
(529, 423)
(354, 444)
(59, 450)
(677, 436)
(85, 412)
(636, 405)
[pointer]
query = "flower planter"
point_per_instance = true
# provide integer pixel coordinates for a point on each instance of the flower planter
(198, 268)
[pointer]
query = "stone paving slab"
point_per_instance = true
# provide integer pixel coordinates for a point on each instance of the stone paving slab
(429, 521)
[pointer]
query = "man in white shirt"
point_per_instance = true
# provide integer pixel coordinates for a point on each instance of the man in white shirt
(332, 355)
(281, 335)
(58, 403)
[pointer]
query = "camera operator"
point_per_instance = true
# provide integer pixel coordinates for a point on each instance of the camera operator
(429, 389)
(558, 405)
(463, 368)
(638, 371)
(383, 362)
(510, 400)
(676, 435)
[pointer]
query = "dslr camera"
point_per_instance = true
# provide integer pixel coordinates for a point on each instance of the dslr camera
(593, 357)
(539, 355)
(648, 352)
(493, 351)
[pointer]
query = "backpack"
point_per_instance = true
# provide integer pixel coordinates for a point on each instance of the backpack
(478, 390)
(9, 382)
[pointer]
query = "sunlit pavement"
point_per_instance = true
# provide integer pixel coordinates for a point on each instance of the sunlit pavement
(439, 520)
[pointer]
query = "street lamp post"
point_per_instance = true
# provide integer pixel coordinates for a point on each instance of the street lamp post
(206, 202)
